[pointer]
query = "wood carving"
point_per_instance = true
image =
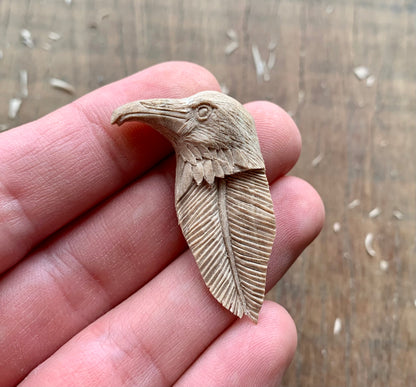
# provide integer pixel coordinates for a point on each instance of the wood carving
(222, 195)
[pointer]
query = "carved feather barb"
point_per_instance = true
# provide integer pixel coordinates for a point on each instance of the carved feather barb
(222, 196)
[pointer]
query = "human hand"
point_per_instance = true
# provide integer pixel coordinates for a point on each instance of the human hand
(98, 287)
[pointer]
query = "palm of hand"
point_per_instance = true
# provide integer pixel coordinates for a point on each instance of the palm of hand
(98, 285)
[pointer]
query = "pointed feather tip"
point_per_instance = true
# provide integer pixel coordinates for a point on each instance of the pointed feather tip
(252, 315)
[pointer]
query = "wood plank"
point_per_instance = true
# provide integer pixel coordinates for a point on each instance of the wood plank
(365, 135)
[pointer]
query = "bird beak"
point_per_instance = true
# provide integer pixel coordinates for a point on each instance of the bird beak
(165, 115)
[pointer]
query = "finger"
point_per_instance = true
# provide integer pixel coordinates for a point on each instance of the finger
(301, 206)
(247, 355)
(156, 334)
(279, 137)
(53, 169)
(106, 256)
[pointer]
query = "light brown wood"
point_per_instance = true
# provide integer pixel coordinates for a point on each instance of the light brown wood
(366, 137)
(222, 195)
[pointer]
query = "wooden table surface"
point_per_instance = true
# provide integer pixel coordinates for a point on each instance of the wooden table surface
(359, 141)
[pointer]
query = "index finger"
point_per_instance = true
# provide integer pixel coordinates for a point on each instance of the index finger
(54, 169)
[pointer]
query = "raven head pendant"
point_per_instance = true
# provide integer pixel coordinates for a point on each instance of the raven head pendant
(222, 196)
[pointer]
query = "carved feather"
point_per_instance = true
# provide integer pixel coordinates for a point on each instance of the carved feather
(222, 195)
(230, 228)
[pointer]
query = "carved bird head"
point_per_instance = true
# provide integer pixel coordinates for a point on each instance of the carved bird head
(228, 222)
(212, 133)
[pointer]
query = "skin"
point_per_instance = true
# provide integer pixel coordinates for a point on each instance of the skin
(97, 285)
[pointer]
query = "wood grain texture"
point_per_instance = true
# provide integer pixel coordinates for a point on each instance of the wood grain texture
(366, 137)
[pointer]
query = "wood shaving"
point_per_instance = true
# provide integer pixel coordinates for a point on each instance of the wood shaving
(337, 326)
(26, 38)
(398, 214)
(301, 96)
(353, 204)
(317, 160)
(329, 9)
(394, 173)
(231, 47)
(225, 89)
(370, 80)
(272, 46)
(263, 67)
(45, 46)
(360, 103)
(14, 107)
(383, 143)
(54, 36)
(232, 34)
(337, 227)
(62, 85)
(368, 242)
(374, 213)
(361, 72)
(23, 83)
(266, 76)
(271, 61)
(384, 265)
(3, 127)
(258, 62)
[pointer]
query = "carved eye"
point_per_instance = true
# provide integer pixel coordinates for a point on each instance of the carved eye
(203, 112)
